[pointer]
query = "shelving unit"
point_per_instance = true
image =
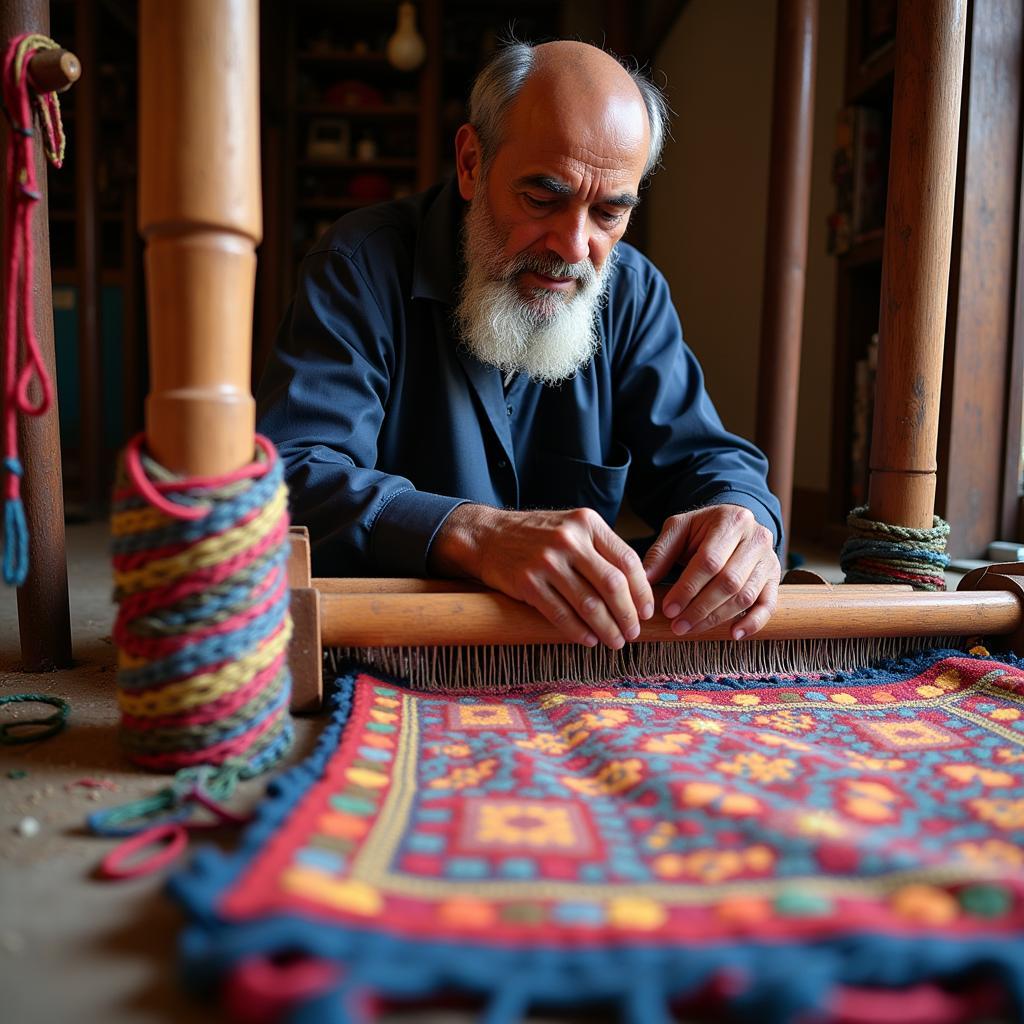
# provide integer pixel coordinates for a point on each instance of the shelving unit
(95, 252)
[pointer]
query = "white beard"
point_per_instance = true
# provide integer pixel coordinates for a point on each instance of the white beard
(547, 335)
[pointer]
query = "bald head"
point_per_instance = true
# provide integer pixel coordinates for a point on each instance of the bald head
(563, 84)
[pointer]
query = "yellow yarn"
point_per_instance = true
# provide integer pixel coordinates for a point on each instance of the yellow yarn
(209, 686)
(211, 551)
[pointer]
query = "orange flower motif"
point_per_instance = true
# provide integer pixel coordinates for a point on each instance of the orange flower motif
(466, 775)
(714, 865)
(973, 773)
(606, 718)
(457, 749)
(701, 725)
(670, 743)
(869, 801)
(1005, 714)
(705, 794)
(992, 853)
(613, 777)
(786, 721)
(545, 742)
(1004, 813)
(1008, 755)
(759, 768)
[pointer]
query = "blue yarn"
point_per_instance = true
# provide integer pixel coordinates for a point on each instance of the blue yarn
(204, 653)
(859, 547)
(225, 513)
(15, 533)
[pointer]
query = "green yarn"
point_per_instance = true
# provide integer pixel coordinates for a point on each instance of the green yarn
(878, 552)
(42, 728)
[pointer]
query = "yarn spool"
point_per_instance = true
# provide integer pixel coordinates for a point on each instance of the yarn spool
(202, 627)
(878, 552)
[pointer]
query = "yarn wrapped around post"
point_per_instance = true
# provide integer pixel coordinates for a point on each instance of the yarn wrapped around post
(878, 552)
(202, 629)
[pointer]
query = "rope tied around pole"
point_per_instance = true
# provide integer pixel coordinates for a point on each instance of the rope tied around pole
(23, 192)
(883, 553)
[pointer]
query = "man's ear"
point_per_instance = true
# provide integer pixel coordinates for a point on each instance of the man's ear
(468, 160)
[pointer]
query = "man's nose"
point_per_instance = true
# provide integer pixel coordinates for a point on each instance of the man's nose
(569, 236)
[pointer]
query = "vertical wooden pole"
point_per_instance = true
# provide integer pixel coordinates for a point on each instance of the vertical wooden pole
(199, 213)
(44, 620)
(785, 261)
(85, 140)
(915, 259)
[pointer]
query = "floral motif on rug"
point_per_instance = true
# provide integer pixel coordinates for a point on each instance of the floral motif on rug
(636, 843)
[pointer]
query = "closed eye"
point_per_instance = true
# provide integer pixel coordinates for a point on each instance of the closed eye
(538, 204)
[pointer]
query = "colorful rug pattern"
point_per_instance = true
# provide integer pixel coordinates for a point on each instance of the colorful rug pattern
(635, 843)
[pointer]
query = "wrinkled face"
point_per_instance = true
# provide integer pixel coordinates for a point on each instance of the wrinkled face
(560, 187)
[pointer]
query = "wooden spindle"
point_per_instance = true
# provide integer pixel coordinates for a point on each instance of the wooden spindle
(199, 212)
(915, 262)
(54, 70)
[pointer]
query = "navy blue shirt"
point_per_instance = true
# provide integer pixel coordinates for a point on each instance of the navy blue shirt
(385, 423)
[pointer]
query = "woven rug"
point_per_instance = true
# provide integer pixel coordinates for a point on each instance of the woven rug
(779, 845)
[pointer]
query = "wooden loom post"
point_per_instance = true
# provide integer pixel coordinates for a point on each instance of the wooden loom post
(915, 263)
(44, 617)
(785, 264)
(199, 213)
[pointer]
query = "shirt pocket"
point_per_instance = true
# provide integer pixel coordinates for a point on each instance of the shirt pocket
(564, 482)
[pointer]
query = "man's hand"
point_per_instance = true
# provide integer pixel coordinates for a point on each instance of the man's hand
(730, 574)
(569, 565)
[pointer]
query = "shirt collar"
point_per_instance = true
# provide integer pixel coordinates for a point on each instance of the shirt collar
(438, 258)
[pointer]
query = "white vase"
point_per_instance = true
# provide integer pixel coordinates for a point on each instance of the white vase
(406, 49)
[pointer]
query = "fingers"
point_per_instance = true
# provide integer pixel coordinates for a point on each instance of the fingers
(559, 613)
(732, 576)
(592, 572)
(734, 593)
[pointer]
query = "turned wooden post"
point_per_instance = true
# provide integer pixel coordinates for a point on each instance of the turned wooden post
(785, 260)
(915, 261)
(44, 618)
(199, 213)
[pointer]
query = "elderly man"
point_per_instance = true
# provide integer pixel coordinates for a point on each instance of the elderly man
(469, 382)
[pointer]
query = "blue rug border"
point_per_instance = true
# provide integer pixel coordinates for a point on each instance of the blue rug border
(783, 979)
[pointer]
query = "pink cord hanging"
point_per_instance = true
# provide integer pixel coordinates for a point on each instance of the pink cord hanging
(23, 192)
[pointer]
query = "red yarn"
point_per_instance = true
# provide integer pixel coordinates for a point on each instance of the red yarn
(22, 194)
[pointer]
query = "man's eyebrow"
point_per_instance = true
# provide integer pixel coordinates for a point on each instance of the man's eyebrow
(561, 188)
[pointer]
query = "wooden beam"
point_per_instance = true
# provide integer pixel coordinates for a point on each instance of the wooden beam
(785, 262)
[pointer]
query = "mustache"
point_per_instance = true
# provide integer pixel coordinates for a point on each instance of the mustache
(551, 265)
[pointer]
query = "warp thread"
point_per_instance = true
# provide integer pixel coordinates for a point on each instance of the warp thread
(202, 627)
(882, 553)
(23, 192)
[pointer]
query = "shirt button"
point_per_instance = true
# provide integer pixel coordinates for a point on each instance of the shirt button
(509, 409)
(502, 463)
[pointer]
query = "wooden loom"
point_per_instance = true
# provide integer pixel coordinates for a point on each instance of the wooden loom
(200, 216)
